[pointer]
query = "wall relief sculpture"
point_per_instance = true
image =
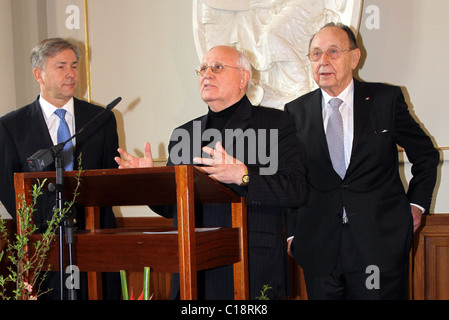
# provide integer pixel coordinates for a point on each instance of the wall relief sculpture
(275, 35)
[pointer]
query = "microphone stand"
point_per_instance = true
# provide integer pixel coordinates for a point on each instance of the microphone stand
(66, 226)
(69, 228)
(59, 205)
(40, 160)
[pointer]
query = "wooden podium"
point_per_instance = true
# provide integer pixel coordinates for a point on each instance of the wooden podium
(185, 250)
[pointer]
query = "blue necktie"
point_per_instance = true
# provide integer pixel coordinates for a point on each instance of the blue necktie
(63, 135)
(335, 138)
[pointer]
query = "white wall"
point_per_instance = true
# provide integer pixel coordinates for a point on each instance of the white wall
(143, 51)
(409, 50)
(146, 55)
(7, 85)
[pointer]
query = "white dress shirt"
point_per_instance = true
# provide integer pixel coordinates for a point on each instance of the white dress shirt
(52, 120)
(347, 114)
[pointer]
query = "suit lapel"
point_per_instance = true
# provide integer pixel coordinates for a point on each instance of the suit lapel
(197, 142)
(38, 137)
(40, 132)
(362, 107)
(81, 118)
(315, 112)
(239, 120)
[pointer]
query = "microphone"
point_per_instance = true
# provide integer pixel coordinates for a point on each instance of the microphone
(44, 157)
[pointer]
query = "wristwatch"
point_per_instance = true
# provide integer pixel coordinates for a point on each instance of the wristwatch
(245, 178)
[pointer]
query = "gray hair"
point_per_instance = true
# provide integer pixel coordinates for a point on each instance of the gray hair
(352, 38)
(49, 48)
(245, 63)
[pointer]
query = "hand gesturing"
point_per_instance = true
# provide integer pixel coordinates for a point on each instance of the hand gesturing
(127, 160)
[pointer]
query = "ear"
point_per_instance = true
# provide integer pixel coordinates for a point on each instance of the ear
(38, 74)
(356, 54)
(244, 80)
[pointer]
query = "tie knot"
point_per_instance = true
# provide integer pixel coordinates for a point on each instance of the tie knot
(60, 113)
(335, 103)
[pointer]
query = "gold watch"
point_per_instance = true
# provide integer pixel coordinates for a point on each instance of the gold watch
(245, 178)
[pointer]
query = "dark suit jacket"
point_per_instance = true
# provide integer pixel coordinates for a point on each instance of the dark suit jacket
(377, 205)
(265, 197)
(23, 132)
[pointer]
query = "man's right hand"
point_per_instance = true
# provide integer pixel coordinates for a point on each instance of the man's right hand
(127, 160)
(289, 246)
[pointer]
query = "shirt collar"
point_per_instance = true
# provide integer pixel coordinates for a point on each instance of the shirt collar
(48, 109)
(346, 95)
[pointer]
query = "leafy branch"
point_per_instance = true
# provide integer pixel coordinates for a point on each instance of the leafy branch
(263, 292)
(25, 268)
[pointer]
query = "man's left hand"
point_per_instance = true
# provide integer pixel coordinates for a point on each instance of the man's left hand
(417, 215)
(221, 166)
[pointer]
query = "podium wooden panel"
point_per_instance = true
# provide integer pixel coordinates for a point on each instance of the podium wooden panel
(185, 249)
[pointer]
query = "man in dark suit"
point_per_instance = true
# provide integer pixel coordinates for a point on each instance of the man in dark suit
(254, 151)
(34, 127)
(354, 233)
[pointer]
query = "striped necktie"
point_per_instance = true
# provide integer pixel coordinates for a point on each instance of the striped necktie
(64, 135)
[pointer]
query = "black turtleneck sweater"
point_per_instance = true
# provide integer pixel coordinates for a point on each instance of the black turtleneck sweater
(219, 120)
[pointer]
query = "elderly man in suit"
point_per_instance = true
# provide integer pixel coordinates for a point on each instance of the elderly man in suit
(35, 126)
(240, 134)
(353, 235)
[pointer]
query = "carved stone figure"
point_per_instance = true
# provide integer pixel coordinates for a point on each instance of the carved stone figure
(275, 34)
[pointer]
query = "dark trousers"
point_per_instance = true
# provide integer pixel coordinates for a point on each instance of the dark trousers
(353, 279)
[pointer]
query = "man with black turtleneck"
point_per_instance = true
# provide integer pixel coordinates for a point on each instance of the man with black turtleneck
(252, 150)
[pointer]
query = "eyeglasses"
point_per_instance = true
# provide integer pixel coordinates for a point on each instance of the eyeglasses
(316, 55)
(215, 67)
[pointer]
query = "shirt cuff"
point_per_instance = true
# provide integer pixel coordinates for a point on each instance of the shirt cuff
(419, 207)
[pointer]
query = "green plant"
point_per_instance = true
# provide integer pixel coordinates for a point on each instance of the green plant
(27, 270)
(263, 295)
(145, 295)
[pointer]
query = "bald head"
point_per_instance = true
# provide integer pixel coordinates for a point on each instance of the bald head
(225, 77)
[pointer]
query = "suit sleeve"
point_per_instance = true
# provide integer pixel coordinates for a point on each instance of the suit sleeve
(111, 144)
(420, 151)
(290, 215)
(166, 211)
(8, 161)
(286, 186)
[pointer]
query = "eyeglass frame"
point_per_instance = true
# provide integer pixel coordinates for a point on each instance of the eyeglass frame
(327, 53)
(213, 65)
